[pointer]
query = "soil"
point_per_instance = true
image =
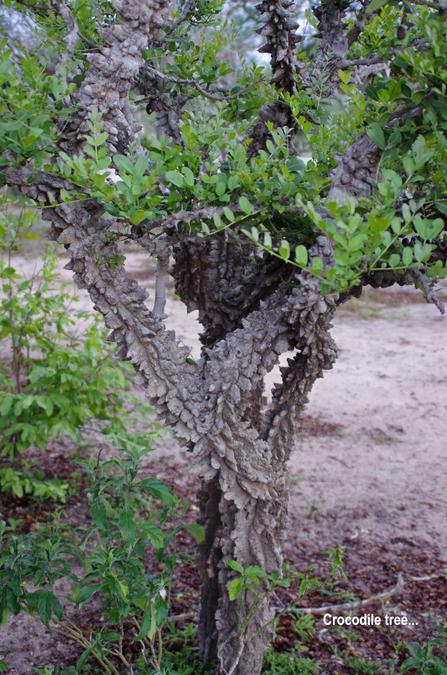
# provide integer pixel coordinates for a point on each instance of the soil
(368, 478)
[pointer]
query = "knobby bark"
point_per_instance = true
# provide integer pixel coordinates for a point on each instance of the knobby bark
(251, 308)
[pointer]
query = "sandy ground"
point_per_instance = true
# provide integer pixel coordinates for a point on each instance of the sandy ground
(383, 472)
(370, 461)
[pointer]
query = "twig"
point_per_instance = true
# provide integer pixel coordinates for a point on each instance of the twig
(71, 39)
(172, 220)
(160, 283)
(347, 606)
(194, 83)
(367, 61)
(430, 577)
(421, 281)
(433, 5)
(187, 9)
(177, 618)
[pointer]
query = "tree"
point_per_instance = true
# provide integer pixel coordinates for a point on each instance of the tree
(264, 246)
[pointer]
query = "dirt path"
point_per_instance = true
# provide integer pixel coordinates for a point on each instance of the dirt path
(377, 462)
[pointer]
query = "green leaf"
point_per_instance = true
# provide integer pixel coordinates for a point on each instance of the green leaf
(284, 249)
(6, 404)
(317, 265)
(189, 176)
(406, 213)
(236, 566)
(155, 536)
(255, 573)
(98, 140)
(138, 216)
(221, 185)
(254, 233)
(127, 525)
(407, 256)
(159, 489)
(375, 5)
(296, 165)
(393, 178)
(235, 588)
(229, 215)
(123, 163)
(344, 75)
(442, 208)
(379, 223)
(176, 178)
(267, 240)
(245, 205)
(421, 152)
(45, 602)
(419, 251)
(141, 165)
(149, 623)
(197, 532)
(408, 165)
(376, 134)
(85, 593)
(428, 229)
(99, 513)
(301, 255)
(218, 221)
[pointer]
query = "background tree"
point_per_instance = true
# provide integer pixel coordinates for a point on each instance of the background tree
(263, 245)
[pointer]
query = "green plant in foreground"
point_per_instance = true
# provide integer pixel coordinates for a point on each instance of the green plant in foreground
(289, 664)
(54, 382)
(361, 666)
(423, 660)
(20, 483)
(123, 560)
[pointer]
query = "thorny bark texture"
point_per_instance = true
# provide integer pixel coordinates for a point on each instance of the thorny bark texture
(251, 311)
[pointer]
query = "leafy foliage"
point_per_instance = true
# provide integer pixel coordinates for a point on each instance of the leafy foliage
(423, 659)
(30, 103)
(393, 230)
(132, 519)
(56, 382)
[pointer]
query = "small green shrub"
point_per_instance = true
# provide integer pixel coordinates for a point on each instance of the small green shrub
(288, 664)
(123, 561)
(360, 666)
(20, 484)
(423, 660)
(55, 382)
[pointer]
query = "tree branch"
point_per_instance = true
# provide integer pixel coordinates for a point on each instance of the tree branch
(350, 606)
(224, 278)
(426, 285)
(279, 31)
(213, 96)
(72, 36)
(160, 283)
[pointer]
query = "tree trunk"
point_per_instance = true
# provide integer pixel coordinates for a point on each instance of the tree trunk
(236, 634)
(210, 555)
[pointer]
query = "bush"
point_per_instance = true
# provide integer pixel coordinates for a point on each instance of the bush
(123, 561)
(56, 382)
